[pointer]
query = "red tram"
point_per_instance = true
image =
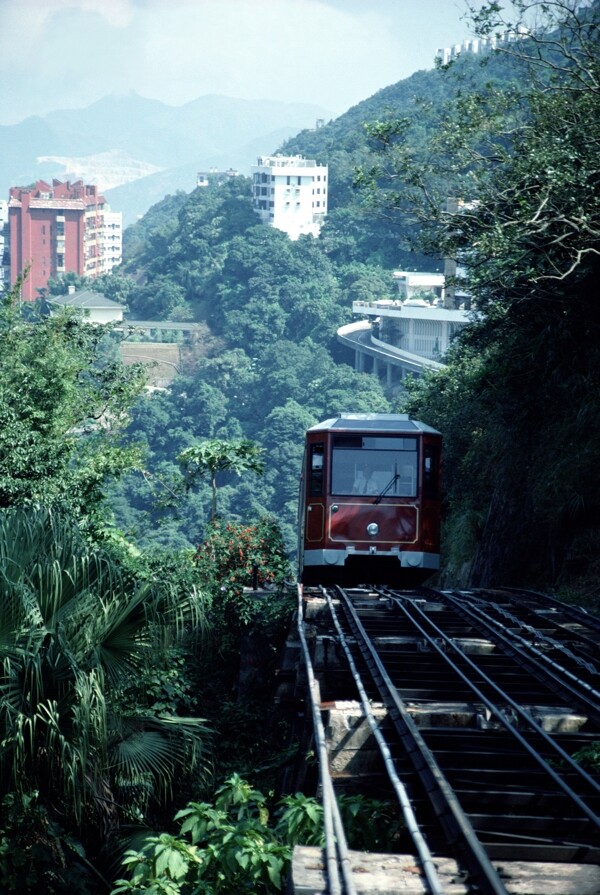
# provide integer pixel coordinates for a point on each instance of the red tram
(370, 501)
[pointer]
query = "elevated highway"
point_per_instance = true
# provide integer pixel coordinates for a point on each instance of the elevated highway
(370, 351)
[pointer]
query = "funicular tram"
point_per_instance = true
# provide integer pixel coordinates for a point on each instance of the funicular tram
(370, 501)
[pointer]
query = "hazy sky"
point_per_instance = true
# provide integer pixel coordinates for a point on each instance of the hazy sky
(60, 54)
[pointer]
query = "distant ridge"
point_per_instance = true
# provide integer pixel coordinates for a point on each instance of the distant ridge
(143, 134)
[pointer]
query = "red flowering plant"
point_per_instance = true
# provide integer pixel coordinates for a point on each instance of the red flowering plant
(248, 629)
(234, 557)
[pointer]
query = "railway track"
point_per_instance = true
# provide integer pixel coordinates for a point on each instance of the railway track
(481, 707)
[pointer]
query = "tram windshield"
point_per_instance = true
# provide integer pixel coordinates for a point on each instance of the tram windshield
(380, 465)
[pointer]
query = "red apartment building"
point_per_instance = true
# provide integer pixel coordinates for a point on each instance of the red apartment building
(54, 229)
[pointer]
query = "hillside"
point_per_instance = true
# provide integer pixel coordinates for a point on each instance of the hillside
(421, 99)
(274, 304)
(522, 507)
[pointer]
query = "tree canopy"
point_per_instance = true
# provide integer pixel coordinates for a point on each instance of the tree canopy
(519, 400)
(207, 458)
(64, 397)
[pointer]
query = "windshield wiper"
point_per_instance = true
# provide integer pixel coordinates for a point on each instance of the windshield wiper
(389, 485)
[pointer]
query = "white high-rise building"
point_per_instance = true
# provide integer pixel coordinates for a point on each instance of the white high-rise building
(290, 193)
(4, 245)
(112, 243)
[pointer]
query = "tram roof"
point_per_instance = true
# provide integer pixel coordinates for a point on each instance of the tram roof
(374, 422)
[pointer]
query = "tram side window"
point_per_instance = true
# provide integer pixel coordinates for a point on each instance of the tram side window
(315, 477)
(431, 472)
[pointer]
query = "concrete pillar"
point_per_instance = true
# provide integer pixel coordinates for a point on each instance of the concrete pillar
(390, 378)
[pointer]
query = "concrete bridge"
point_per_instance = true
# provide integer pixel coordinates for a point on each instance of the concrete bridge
(401, 338)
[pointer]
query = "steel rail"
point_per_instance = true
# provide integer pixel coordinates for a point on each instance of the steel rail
(498, 712)
(336, 847)
(577, 613)
(412, 825)
(526, 655)
(539, 635)
(453, 819)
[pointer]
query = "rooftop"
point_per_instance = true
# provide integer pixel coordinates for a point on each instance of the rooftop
(84, 299)
(287, 161)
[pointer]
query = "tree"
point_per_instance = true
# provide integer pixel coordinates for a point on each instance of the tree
(60, 285)
(207, 458)
(80, 640)
(528, 235)
(61, 408)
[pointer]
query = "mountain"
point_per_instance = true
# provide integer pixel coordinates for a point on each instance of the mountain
(142, 144)
(420, 100)
(135, 197)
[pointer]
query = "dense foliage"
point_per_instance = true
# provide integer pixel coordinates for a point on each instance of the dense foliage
(64, 397)
(274, 305)
(231, 562)
(126, 654)
(235, 844)
(519, 401)
(88, 742)
(108, 657)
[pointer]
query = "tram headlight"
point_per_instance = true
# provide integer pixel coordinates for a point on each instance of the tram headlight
(372, 529)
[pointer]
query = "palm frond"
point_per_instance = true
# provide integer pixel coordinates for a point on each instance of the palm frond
(157, 745)
(74, 634)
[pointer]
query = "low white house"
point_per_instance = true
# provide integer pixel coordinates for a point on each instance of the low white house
(411, 284)
(94, 307)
